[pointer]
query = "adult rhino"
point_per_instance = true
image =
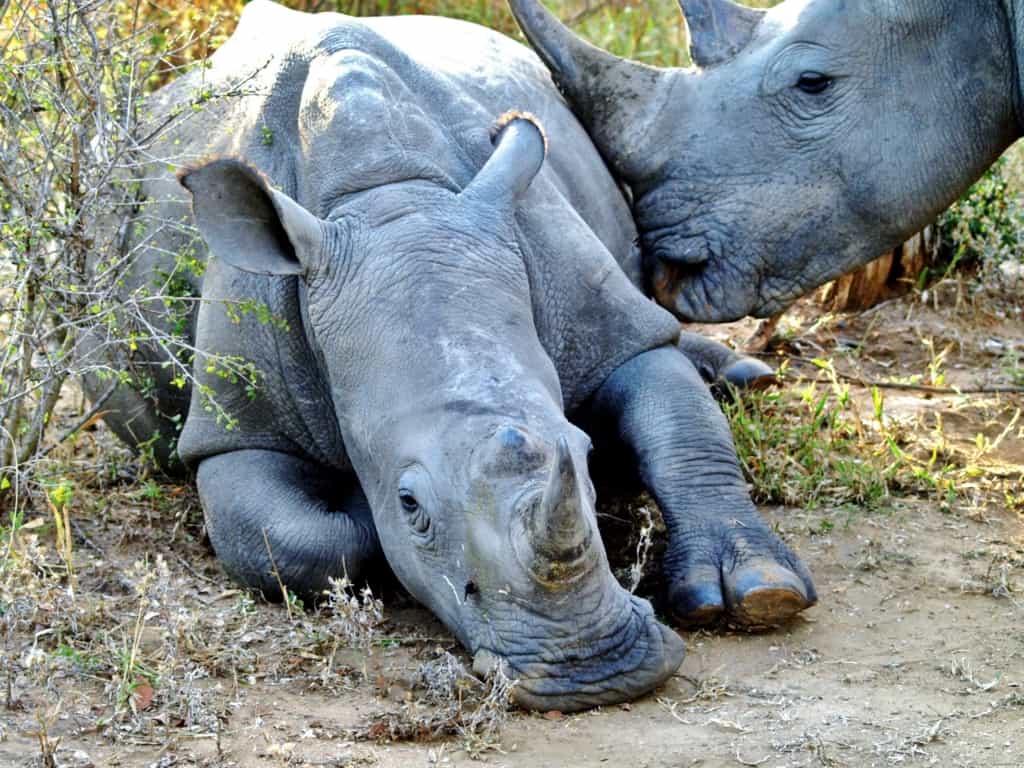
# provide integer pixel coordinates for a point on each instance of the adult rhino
(443, 303)
(808, 139)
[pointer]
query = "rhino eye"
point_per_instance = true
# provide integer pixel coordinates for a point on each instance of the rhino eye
(813, 82)
(418, 519)
(408, 501)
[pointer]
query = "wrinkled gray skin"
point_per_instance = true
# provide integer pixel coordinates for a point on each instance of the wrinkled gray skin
(445, 302)
(809, 139)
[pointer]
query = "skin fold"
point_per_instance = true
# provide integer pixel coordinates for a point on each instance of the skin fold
(447, 307)
(806, 140)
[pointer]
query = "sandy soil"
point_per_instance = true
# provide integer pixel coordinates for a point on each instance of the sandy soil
(914, 656)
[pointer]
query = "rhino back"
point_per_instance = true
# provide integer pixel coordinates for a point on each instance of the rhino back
(330, 107)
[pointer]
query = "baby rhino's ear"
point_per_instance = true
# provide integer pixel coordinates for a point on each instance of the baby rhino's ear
(520, 146)
(248, 224)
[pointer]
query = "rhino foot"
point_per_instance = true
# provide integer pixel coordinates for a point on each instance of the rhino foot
(739, 572)
(722, 558)
(723, 369)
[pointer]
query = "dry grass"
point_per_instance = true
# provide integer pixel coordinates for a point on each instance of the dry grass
(446, 701)
(826, 441)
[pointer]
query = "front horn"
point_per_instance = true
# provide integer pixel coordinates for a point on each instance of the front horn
(617, 101)
(560, 532)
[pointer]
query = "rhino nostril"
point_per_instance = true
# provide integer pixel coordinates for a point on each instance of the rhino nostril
(471, 589)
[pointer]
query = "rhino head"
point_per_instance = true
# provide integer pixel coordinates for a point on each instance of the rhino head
(419, 306)
(807, 140)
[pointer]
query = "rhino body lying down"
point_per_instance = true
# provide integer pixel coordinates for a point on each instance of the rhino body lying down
(445, 302)
(809, 138)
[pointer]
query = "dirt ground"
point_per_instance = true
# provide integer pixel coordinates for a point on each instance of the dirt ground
(914, 656)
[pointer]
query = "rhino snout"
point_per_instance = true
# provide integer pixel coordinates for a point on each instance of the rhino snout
(591, 671)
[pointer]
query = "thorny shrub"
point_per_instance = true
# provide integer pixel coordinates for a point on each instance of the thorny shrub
(76, 144)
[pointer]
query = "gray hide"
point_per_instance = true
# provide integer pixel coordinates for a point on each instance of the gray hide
(809, 138)
(442, 297)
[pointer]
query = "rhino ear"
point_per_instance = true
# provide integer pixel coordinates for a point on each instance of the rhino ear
(248, 224)
(520, 146)
(719, 29)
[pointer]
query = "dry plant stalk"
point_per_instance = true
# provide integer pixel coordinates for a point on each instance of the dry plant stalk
(47, 746)
(643, 549)
(355, 617)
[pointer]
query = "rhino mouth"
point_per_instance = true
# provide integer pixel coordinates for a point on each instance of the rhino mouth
(590, 669)
(716, 291)
(551, 614)
(697, 293)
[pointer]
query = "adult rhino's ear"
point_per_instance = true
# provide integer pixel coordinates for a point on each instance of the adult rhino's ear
(719, 29)
(520, 146)
(248, 224)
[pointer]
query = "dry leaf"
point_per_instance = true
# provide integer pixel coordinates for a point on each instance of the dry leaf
(142, 696)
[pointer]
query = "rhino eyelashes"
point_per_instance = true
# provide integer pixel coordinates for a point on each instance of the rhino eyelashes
(408, 501)
(814, 83)
(419, 520)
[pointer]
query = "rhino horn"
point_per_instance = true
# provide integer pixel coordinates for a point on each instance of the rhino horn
(719, 29)
(560, 529)
(617, 101)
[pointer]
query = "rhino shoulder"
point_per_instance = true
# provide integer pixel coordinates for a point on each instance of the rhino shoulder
(260, 383)
(589, 316)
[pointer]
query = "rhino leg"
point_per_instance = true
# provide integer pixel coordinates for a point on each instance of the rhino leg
(268, 511)
(722, 558)
(137, 421)
(720, 366)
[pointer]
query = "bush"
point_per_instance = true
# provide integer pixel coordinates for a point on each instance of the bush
(74, 144)
(987, 224)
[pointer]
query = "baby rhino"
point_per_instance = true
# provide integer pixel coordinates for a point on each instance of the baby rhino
(445, 299)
